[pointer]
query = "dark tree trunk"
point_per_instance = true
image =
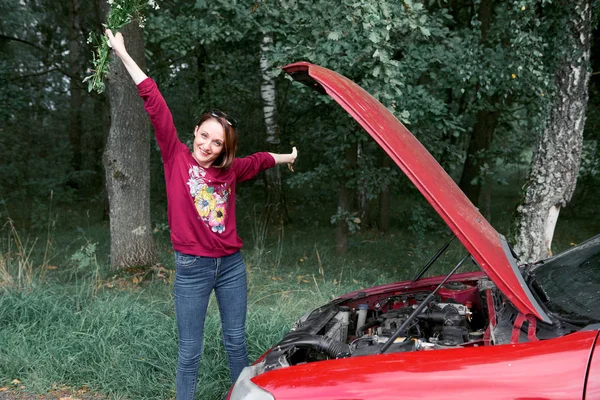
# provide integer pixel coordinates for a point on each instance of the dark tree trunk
(485, 17)
(481, 139)
(462, 12)
(127, 163)
(555, 166)
(102, 112)
(275, 201)
(341, 227)
(362, 194)
(384, 199)
(75, 89)
(345, 205)
(485, 125)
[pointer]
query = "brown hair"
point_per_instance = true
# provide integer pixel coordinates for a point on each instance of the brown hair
(225, 159)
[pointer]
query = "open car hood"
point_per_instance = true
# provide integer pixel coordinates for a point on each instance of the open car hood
(485, 244)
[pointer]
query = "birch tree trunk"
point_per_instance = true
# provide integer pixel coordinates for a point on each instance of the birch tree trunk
(127, 164)
(267, 91)
(275, 202)
(555, 166)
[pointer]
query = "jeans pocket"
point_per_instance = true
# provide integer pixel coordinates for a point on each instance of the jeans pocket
(185, 260)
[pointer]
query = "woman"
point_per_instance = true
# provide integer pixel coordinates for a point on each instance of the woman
(201, 209)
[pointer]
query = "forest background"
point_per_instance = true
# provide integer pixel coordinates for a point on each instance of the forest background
(477, 82)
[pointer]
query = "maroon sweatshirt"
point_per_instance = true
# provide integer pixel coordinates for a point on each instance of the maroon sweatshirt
(201, 201)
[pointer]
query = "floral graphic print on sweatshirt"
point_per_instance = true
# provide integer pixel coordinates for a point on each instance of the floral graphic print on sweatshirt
(210, 200)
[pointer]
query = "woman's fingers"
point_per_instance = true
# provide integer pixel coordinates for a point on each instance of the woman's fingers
(116, 42)
(110, 36)
(294, 155)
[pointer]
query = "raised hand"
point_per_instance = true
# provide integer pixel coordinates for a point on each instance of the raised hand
(287, 158)
(117, 43)
(293, 156)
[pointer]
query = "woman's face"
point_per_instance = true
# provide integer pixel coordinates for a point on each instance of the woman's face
(209, 142)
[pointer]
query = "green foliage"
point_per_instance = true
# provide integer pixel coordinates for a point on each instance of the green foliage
(589, 171)
(433, 71)
(350, 219)
(386, 47)
(35, 110)
(423, 223)
(121, 13)
(85, 257)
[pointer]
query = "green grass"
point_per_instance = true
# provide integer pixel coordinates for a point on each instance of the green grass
(119, 343)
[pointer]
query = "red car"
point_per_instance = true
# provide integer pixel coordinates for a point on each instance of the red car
(508, 332)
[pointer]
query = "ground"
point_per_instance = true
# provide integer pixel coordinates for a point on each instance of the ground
(57, 393)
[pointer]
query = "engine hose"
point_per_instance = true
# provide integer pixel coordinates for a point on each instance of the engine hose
(332, 348)
(361, 329)
(337, 349)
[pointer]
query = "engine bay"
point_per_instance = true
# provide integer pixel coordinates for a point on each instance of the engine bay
(455, 316)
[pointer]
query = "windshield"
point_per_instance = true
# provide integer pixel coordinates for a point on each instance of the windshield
(570, 282)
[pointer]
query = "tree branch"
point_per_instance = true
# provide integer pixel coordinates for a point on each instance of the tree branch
(39, 73)
(35, 46)
(55, 66)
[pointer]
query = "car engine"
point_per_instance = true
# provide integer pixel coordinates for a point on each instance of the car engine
(358, 327)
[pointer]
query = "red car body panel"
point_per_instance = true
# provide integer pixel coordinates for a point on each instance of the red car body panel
(421, 283)
(471, 228)
(552, 369)
(592, 387)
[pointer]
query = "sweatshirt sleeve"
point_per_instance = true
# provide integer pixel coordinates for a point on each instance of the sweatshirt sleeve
(248, 167)
(161, 118)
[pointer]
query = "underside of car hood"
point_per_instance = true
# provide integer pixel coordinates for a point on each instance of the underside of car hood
(485, 244)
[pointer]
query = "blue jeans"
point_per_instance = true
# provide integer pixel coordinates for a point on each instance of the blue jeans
(195, 279)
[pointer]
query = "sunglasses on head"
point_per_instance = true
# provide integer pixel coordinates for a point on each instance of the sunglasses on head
(220, 114)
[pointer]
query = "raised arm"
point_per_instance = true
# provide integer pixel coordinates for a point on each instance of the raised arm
(118, 45)
(154, 103)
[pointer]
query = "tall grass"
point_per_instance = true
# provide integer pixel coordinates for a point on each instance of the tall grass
(16, 264)
(17, 258)
(119, 343)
